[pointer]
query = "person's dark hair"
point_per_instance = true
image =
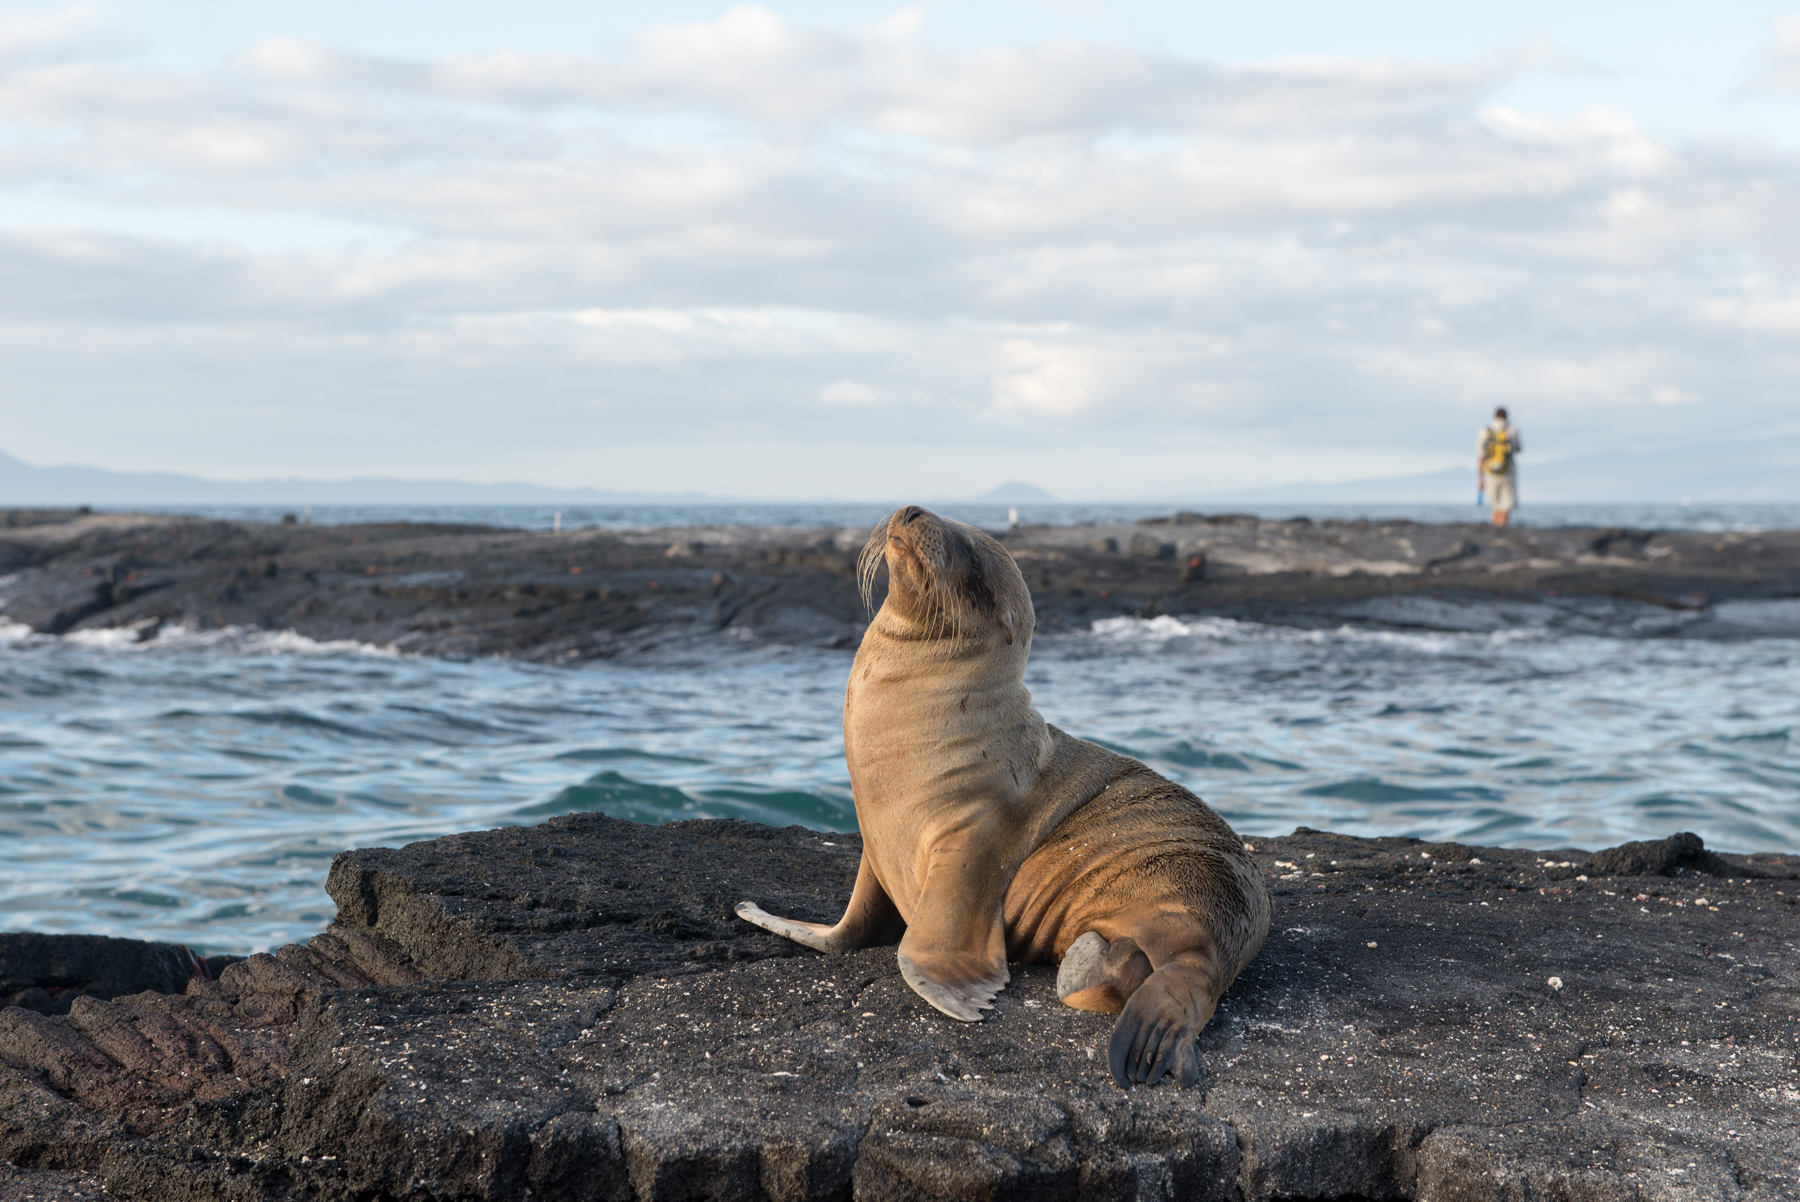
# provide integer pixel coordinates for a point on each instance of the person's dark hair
(1500, 412)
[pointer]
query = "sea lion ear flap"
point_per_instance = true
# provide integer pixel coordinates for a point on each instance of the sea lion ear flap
(1006, 624)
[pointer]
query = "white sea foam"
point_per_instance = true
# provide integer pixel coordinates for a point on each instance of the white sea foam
(235, 640)
(1163, 627)
(1158, 632)
(252, 640)
(110, 638)
(1435, 642)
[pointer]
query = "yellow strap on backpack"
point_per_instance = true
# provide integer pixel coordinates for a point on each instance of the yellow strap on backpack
(1499, 452)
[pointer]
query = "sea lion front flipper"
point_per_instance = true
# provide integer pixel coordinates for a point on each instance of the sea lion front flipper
(869, 920)
(954, 950)
(961, 994)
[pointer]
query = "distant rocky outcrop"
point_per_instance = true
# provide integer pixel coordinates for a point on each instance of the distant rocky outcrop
(599, 594)
(1016, 492)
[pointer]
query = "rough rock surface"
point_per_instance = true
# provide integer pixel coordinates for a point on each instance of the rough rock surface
(1427, 1021)
(49, 1185)
(47, 973)
(465, 590)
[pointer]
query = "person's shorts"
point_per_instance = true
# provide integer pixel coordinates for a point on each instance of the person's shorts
(1501, 491)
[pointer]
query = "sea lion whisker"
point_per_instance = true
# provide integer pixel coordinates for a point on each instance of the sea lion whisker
(871, 560)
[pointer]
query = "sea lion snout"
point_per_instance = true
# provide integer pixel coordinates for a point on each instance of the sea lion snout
(947, 578)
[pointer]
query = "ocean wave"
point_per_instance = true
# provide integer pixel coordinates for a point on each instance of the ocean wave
(232, 640)
(1776, 617)
(622, 797)
(108, 638)
(1158, 632)
(1163, 627)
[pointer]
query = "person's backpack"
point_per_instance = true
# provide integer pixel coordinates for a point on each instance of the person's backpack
(1499, 451)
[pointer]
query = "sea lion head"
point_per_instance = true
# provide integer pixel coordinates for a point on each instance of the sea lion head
(946, 580)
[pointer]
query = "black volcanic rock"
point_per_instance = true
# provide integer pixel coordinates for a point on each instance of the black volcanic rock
(586, 896)
(1429, 1021)
(47, 973)
(1683, 852)
(594, 594)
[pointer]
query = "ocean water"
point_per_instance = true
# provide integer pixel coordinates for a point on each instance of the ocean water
(1709, 517)
(195, 788)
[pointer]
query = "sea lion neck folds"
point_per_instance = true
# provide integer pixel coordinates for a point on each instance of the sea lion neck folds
(989, 834)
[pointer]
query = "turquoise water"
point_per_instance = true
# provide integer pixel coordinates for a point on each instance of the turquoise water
(195, 788)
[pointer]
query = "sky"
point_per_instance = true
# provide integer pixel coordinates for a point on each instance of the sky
(866, 251)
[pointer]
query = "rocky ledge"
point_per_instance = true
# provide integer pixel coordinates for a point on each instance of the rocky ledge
(570, 1011)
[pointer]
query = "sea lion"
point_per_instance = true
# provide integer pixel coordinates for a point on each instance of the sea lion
(990, 835)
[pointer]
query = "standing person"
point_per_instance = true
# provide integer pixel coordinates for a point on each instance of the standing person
(1497, 465)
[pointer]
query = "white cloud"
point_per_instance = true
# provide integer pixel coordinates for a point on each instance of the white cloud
(1781, 69)
(1602, 132)
(847, 392)
(55, 34)
(1047, 246)
(1668, 394)
(1757, 314)
(1044, 378)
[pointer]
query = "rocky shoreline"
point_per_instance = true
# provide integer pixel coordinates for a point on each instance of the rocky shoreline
(591, 594)
(570, 1011)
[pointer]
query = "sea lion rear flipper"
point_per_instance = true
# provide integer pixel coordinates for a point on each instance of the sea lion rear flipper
(954, 950)
(1081, 966)
(1099, 976)
(1155, 1032)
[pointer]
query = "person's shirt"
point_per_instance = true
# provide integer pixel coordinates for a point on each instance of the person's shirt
(1486, 439)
